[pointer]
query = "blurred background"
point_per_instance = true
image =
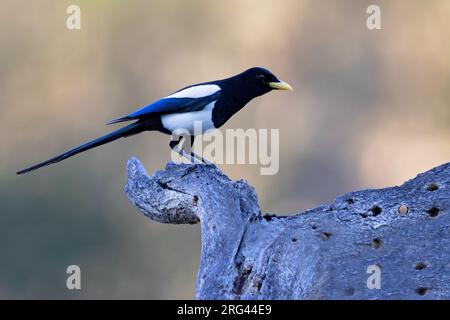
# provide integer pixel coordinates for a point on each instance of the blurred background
(370, 109)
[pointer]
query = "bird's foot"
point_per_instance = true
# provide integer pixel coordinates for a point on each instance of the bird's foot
(207, 162)
(200, 159)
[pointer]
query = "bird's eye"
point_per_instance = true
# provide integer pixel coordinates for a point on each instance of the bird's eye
(260, 77)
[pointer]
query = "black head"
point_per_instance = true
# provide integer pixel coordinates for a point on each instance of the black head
(241, 89)
(261, 81)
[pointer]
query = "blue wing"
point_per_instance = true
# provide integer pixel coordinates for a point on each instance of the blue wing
(169, 105)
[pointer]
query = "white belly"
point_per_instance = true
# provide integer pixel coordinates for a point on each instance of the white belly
(195, 123)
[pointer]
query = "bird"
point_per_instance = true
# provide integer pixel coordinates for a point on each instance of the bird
(213, 103)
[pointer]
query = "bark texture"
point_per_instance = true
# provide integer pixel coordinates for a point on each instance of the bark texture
(322, 253)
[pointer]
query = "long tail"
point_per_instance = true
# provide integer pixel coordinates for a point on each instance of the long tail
(126, 131)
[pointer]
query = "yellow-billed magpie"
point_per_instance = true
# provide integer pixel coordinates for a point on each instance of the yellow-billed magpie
(212, 103)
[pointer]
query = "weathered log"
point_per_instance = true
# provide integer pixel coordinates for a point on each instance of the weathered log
(322, 253)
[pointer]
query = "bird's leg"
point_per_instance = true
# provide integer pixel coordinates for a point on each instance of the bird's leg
(196, 156)
(175, 145)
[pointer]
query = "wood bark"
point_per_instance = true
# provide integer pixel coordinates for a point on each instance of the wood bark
(333, 251)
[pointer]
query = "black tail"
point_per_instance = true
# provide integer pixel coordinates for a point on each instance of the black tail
(126, 131)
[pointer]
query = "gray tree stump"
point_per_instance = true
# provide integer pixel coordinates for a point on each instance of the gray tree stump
(322, 253)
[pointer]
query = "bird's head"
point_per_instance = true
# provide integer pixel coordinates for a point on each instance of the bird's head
(261, 81)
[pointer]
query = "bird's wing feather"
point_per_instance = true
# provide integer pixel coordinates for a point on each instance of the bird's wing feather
(185, 100)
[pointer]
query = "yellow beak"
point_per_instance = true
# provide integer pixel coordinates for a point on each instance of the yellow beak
(280, 85)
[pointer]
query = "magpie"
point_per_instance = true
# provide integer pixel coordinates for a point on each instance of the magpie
(212, 103)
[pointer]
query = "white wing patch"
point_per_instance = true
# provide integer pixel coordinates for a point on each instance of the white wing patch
(178, 123)
(196, 91)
